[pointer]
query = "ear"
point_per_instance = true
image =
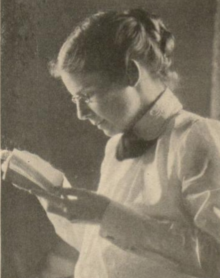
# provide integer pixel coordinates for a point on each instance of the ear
(133, 73)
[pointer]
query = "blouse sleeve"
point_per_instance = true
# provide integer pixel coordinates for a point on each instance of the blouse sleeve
(199, 172)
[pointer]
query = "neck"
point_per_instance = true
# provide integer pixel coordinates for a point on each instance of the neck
(154, 122)
(150, 89)
(149, 99)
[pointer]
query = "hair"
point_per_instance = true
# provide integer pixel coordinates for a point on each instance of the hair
(107, 41)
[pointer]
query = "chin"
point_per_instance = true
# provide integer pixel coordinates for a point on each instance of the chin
(110, 133)
(108, 129)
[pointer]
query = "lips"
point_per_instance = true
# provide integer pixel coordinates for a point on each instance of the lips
(96, 123)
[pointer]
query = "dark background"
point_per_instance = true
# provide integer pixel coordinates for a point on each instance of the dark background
(37, 114)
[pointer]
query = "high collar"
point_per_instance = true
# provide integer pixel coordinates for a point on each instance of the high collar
(154, 122)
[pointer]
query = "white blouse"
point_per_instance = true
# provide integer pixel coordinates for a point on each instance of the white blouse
(164, 218)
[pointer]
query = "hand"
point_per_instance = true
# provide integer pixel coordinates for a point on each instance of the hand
(4, 154)
(5, 157)
(77, 205)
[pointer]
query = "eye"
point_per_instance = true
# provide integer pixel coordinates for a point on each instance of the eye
(86, 98)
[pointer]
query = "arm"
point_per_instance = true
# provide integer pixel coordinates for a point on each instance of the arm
(141, 235)
(199, 172)
(200, 186)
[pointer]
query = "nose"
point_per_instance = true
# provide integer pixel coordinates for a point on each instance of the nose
(83, 111)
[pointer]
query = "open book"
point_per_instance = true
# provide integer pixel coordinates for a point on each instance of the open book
(28, 171)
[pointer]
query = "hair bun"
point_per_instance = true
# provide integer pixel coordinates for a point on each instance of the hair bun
(145, 19)
(167, 42)
(156, 29)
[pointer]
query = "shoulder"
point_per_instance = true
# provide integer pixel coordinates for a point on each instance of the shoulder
(190, 124)
(196, 133)
(197, 148)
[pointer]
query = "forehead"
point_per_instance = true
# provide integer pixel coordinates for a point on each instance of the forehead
(76, 83)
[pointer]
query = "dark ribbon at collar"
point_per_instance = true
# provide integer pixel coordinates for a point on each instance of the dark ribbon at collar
(130, 146)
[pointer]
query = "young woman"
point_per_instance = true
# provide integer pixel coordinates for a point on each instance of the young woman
(157, 210)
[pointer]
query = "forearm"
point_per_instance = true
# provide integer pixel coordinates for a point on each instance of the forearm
(141, 235)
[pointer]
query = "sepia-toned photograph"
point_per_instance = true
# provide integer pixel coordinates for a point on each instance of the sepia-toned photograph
(110, 139)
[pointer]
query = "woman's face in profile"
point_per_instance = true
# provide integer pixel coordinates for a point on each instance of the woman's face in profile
(110, 107)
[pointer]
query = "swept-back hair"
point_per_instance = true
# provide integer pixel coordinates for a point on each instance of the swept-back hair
(105, 43)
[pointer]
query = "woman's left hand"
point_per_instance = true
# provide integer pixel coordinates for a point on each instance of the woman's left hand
(5, 158)
(77, 205)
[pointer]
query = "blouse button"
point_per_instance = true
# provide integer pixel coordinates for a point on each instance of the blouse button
(153, 112)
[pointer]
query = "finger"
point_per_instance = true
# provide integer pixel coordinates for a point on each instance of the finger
(4, 154)
(78, 192)
(23, 187)
(28, 186)
(55, 204)
(59, 210)
(44, 194)
(70, 212)
(4, 167)
(5, 164)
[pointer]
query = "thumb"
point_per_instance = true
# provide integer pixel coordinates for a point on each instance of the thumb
(4, 154)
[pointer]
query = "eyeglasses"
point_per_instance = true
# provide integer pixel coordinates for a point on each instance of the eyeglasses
(82, 97)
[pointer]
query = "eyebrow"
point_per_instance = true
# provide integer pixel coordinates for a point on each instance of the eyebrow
(78, 92)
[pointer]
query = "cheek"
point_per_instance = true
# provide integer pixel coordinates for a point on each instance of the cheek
(108, 108)
(117, 110)
(115, 107)
(125, 108)
(119, 107)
